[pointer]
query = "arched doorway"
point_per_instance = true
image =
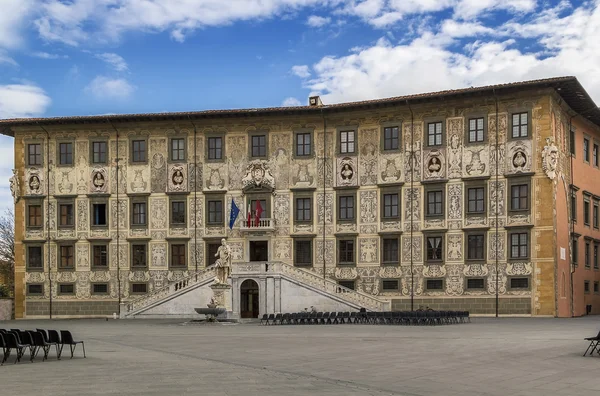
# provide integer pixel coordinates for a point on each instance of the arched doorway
(249, 299)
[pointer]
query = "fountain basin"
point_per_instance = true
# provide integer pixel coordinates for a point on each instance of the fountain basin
(210, 311)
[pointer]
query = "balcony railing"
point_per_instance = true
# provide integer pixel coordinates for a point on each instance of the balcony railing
(264, 224)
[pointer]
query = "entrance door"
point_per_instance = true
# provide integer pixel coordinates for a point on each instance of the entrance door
(259, 250)
(249, 299)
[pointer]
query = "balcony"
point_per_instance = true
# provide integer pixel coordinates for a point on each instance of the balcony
(264, 224)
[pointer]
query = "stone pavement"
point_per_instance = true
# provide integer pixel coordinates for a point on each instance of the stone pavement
(507, 356)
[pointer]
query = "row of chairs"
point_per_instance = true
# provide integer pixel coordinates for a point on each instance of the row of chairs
(388, 317)
(22, 341)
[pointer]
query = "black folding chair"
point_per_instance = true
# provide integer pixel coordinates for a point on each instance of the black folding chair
(11, 342)
(40, 344)
(277, 319)
(67, 339)
(264, 320)
(5, 349)
(594, 344)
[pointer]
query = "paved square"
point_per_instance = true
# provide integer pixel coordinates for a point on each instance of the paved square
(508, 356)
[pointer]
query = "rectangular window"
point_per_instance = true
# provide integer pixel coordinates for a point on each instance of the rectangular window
(574, 250)
(587, 255)
(212, 249)
(263, 205)
(519, 197)
(586, 286)
(34, 154)
(259, 146)
(572, 141)
(65, 153)
(100, 288)
(434, 133)
(391, 138)
(389, 284)
(390, 250)
(138, 256)
(434, 248)
(35, 290)
(573, 207)
(99, 214)
(346, 251)
(346, 209)
(139, 288)
(139, 213)
(178, 149)
(178, 255)
(215, 148)
(595, 214)
(66, 288)
(303, 253)
(390, 206)
(348, 284)
(435, 284)
(303, 144)
(519, 283)
(347, 140)
(519, 125)
(595, 256)
(476, 200)
(435, 203)
(476, 247)
(99, 150)
(475, 283)
(595, 155)
(596, 287)
(138, 151)
(66, 256)
(215, 212)
(476, 130)
(34, 257)
(100, 258)
(586, 212)
(67, 217)
(178, 212)
(519, 245)
(586, 150)
(303, 209)
(35, 216)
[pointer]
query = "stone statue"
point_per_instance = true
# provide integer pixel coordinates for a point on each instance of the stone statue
(15, 188)
(223, 263)
(550, 158)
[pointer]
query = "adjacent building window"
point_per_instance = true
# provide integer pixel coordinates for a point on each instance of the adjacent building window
(139, 288)
(586, 150)
(66, 253)
(65, 151)
(99, 150)
(215, 148)
(574, 250)
(346, 251)
(390, 206)
(587, 254)
(476, 247)
(177, 212)
(138, 151)
(519, 283)
(519, 245)
(435, 248)
(434, 284)
(595, 256)
(596, 287)
(390, 251)
(66, 215)
(391, 138)
(100, 256)
(595, 214)
(215, 212)
(303, 144)
(178, 255)
(348, 284)
(139, 214)
(475, 283)
(595, 155)
(586, 286)
(435, 203)
(35, 289)
(99, 217)
(303, 209)
(66, 288)
(520, 123)
(99, 288)
(586, 211)
(34, 258)
(573, 206)
(178, 149)
(34, 216)
(259, 146)
(519, 194)
(34, 154)
(138, 256)
(476, 200)
(347, 140)
(434, 133)
(476, 130)
(303, 253)
(390, 285)
(346, 207)
(572, 141)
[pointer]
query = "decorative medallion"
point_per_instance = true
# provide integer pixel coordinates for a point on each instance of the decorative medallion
(177, 179)
(519, 161)
(99, 183)
(347, 172)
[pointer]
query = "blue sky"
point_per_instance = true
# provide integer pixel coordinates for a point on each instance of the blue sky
(76, 57)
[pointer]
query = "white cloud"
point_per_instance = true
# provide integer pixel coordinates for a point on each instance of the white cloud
(4, 58)
(105, 88)
(291, 102)
(317, 21)
(301, 71)
(115, 61)
(22, 100)
(11, 21)
(46, 55)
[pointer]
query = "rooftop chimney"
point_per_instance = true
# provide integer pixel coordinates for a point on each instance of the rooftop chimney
(315, 101)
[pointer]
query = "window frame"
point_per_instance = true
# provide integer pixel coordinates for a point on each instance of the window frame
(95, 293)
(519, 111)
(311, 250)
(93, 203)
(138, 201)
(36, 204)
(93, 265)
(467, 135)
(251, 137)
(384, 289)
(518, 181)
(213, 198)
(595, 154)
(575, 250)
(390, 191)
(41, 154)
(62, 293)
(383, 239)
(435, 188)
(338, 243)
(59, 155)
(587, 210)
(586, 149)
(512, 288)
(474, 186)
(338, 135)
(587, 259)
(427, 288)
(430, 121)
(132, 141)
(427, 236)
(483, 288)
(573, 199)
(303, 196)
(311, 146)
(382, 130)
(595, 214)
(28, 289)
(28, 266)
(59, 261)
(185, 153)
(60, 205)
(595, 255)
(347, 283)
(178, 200)
(573, 141)
(346, 194)
(178, 243)
(132, 246)
(518, 231)
(106, 154)
(483, 235)
(137, 293)
(207, 150)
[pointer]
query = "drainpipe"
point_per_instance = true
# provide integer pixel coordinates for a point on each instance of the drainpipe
(497, 187)
(195, 200)
(118, 211)
(48, 212)
(412, 166)
(324, 184)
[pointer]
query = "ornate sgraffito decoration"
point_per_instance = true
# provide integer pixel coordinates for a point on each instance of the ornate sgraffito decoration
(455, 128)
(391, 168)
(138, 184)
(15, 186)
(454, 280)
(283, 249)
(177, 178)
(326, 209)
(302, 176)
(368, 206)
(158, 213)
(99, 181)
(236, 160)
(346, 172)
(412, 205)
(519, 156)
(417, 281)
(158, 165)
(368, 250)
(434, 165)
(390, 271)
(368, 281)
(258, 175)
(475, 165)
(328, 249)
(497, 198)
(412, 160)
(159, 254)
(282, 209)
(496, 246)
(416, 248)
(65, 186)
(368, 157)
(502, 279)
(346, 273)
(550, 158)
(519, 269)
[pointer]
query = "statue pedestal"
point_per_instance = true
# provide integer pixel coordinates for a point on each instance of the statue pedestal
(222, 296)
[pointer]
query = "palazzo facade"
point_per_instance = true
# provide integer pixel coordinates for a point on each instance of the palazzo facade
(475, 199)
